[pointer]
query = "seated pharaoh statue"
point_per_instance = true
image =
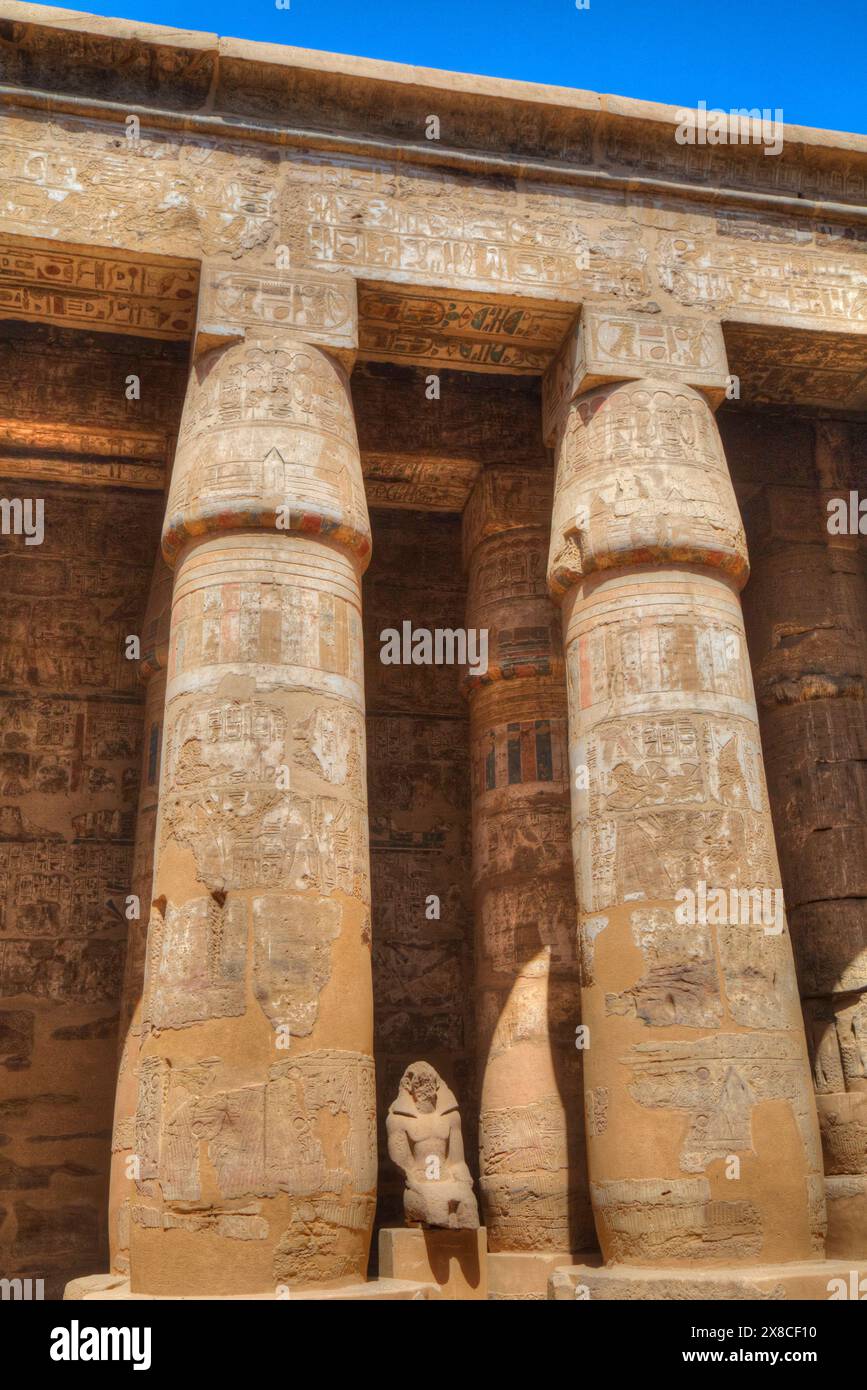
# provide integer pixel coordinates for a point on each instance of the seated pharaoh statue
(424, 1139)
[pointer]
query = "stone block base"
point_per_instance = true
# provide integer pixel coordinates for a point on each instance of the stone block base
(112, 1288)
(846, 1198)
(815, 1281)
(524, 1274)
(456, 1261)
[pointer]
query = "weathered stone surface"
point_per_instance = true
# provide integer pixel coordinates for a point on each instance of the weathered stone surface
(258, 942)
(533, 1174)
(806, 611)
(609, 346)
(808, 1281)
(556, 269)
(152, 669)
(426, 1143)
(672, 803)
(455, 1261)
(419, 807)
(70, 748)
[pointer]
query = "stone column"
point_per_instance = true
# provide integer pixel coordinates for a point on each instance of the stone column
(255, 1127)
(152, 670)
(806, 612)
(703, 1143)
(532, 1162)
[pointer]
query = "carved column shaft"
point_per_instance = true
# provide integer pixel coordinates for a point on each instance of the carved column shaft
(702, 1134)
(533, 1170)
(806, 610)
(255, 1124)
(152, 670)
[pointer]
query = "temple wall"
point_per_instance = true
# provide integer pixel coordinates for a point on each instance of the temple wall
(70, 746)
(806, 620)
(419, 801)
(585, 291)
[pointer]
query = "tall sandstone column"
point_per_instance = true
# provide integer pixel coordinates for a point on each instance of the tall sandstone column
(533, 1167)
(806, 611)
(703, 1142)
(255, 1127)
(152, 670)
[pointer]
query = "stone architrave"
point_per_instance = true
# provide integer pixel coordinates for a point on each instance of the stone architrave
(255, 1128)
(152, 670)
(532, 1164)
(703, 1142)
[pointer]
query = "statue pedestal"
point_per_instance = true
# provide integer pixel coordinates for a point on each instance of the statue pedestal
(524, 1274)
(455, 1260)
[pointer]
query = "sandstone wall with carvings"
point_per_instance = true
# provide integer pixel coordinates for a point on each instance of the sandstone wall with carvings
(70, 749)
(419, 804)
(265, 191)
(806, 618)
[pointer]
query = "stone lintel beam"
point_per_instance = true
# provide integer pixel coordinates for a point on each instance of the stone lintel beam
(305, 306)
(609, 344)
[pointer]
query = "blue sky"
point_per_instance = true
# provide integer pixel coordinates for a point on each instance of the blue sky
(806, 57)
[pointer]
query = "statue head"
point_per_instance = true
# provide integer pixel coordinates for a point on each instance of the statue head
(422, 1083)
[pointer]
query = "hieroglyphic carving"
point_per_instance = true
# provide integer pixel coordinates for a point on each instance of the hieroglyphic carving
(610, 346)
(305, 1132)
(805, 619)
(314, 308)
(292, 956)
(392, 222)
(470, 333)
(764, 283)
(54, 282)
(233, 456)
(262, 804)
(66, 413)
(674, 1220)
(418, 772)
(199, 952)
(642, 474)
(164, 197)
(531, 1164)
(798, 367)
(418, 484)
(680, 986)
(70, 745)
(669, 802)
(718, 1079)
(663, 723)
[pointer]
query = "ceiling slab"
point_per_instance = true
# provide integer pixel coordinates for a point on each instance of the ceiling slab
(789, 366)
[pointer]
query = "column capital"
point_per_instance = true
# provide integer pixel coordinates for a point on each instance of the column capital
(303, 306)
(506, 527)
(268, 442)
(506, 497)
(610, 344)
(642, 480)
